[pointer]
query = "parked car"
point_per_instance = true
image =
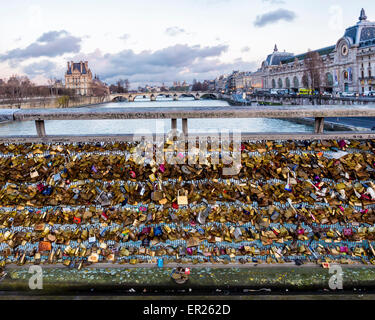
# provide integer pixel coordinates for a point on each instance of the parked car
(370, 94)
(326, 94)
(283, 91)
(349, 94)
(274, 91)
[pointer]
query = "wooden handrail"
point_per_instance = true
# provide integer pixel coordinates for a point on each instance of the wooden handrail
(322, 111)
(184, 113)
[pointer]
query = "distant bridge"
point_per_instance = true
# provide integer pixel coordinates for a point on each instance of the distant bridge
(153, 95)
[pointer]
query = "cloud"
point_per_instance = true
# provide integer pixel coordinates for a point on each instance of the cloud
(52, 36)
(178, 62)
(45, 68)
(125, 36)
(274, 16)
(245, 49)
(174, 31)
(50, 44)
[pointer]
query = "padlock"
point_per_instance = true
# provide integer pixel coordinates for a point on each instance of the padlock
(182, 199)
(156, 195)
(202, 216)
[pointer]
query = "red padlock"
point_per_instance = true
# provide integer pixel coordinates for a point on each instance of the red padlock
(132, 174)
(40, 187)
(77, 220)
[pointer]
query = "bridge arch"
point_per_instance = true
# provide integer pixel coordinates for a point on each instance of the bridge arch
(209, 95)
(120, 97)
(186, 95)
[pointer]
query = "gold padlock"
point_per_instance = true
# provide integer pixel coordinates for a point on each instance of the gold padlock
(182, 200)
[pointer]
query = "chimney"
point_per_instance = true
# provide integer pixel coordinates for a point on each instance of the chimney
(87, 66)
(81, 65)
(68, 65)
(72, 65)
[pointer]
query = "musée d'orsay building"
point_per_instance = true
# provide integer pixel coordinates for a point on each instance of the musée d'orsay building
(348, 66)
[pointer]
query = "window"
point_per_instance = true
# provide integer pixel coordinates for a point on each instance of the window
(295, 82)
(305, 81)
(329, 80)
(280, 83)
(287, 83)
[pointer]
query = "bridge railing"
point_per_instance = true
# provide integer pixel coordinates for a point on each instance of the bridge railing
(185, 113)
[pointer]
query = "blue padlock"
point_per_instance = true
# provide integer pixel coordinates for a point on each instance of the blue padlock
(47, 191)
(158, 231)
(160, 263)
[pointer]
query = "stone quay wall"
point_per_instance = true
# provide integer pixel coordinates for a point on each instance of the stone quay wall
(56, 102)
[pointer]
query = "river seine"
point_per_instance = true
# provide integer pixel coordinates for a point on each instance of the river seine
(145, 126)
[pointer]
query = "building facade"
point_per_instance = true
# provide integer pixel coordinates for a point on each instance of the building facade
(347, 66)
(79, 77)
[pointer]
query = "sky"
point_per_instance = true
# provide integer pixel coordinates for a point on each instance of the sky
(150, 42)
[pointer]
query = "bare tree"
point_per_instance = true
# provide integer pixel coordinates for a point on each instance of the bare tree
(51, 83)
(127, 85)
(99, 89)
(314, 70)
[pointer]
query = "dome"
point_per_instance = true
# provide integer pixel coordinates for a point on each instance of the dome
(277, 57)
(363, 33)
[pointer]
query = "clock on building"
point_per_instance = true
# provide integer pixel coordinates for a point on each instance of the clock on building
(344, 50)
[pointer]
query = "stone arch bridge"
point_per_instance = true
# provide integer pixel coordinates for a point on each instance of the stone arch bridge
(153, 95)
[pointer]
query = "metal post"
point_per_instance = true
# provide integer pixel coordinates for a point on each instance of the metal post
(40, 128)
(184, 126)
(319, 125)
(173, 124)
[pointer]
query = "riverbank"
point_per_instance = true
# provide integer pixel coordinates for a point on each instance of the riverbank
(328, 126)
(57, 102)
